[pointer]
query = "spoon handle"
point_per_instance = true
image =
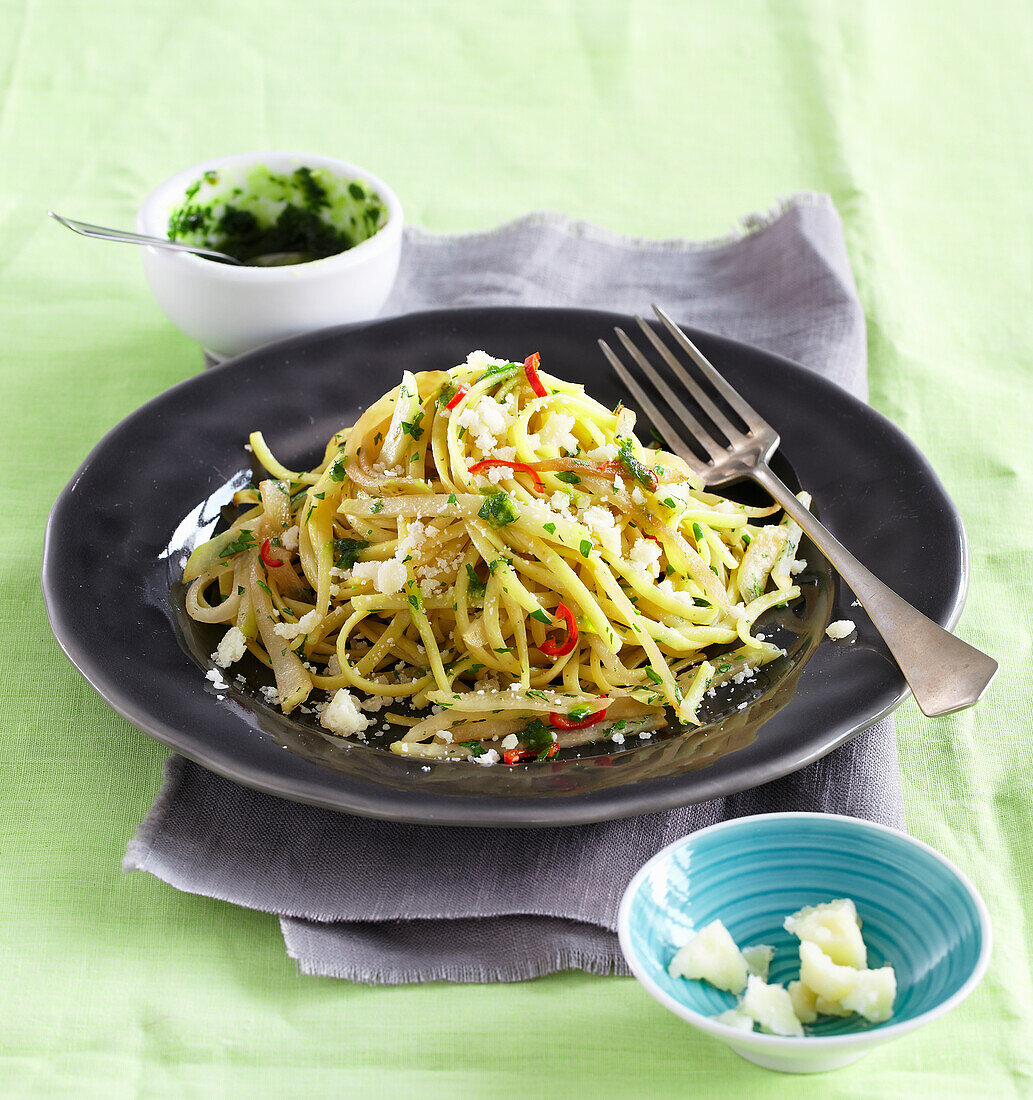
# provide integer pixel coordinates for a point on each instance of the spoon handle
(105, 234)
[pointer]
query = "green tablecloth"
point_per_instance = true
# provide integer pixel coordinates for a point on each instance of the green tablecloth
(651, 118)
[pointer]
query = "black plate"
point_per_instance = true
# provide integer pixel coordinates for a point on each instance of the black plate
(152, 489)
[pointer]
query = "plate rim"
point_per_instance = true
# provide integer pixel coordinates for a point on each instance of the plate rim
(431, 808)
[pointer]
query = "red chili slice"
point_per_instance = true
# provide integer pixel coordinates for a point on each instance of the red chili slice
(531, 365)
(514, 756)
(461, 391)
(562, 722)
(516, 467)
(266, 555)
(550, 647)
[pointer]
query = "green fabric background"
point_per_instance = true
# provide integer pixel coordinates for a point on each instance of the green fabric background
(651, 118)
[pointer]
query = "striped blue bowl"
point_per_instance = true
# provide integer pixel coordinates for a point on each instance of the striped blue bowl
(920, 915)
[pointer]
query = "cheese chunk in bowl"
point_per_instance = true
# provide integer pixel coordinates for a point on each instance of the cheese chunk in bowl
(923, 923)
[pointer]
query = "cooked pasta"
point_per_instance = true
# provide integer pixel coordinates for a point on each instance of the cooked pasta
(495, 556)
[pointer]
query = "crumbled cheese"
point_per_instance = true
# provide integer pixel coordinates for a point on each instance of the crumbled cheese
(305, 625)
(487, 759)
(387, 577)
(617, 738)
(232, 647)
(342, 716)
(797, 566)
(556, 429)
(269, 693)
(605, 453)
(505, 454)
(510, 741)
(481, 360)
(646, 552)
(841, 628)
(600, 522)
(215, 676)
(333, 666)
(290, 538)
(638, 497)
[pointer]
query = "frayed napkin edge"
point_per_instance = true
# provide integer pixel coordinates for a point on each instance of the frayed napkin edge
(138, 850)
(750, 225)
(608, 965)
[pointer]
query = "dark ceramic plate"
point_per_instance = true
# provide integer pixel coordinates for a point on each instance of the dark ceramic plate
(153, 488)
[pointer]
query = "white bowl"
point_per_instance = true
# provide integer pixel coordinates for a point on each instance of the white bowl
(230, 309)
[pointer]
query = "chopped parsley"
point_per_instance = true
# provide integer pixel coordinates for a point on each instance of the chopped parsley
(452, 498)
(723, 668)
(654, 675)
(550, 527)
(579, 711)
(746, 540)
(377, 438)
(586, 547)
(538, 737)
(413, 427)
(499, 509)
(377, 507)
(244, 541)
(477, 586)
(338, 467)
(475, 748)
(499, 369)
(697, 533)
(346, 552)
(540, 615)
(700, 602)
(569, 477)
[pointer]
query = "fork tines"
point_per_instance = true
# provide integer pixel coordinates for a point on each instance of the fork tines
(706, 433)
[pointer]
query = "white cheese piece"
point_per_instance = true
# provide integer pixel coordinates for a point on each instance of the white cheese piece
(305, 625)
(873, 995)
(835, 927)
(804, 1002)
(487, 759)
(819, 973)
(771, 1007)
(712, 956)
(841, 628)
(510, 741)
(826, 1007)
(646, 553)
(232, 647)
(556, 429)
(215, 676)
(735, 1017)
(601, 523)
(758, 959)
(342, 715)
(290, 538)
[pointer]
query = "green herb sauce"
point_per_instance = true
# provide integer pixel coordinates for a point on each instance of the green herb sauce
(308, 211)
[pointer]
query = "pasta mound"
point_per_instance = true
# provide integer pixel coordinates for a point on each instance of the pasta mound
(499, 552)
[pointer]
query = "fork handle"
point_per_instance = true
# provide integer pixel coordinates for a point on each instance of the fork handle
(944, 673)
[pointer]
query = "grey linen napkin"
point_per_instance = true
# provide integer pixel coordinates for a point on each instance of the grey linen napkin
(390, 903)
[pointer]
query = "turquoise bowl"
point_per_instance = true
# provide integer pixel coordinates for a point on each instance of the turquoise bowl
(920, 915)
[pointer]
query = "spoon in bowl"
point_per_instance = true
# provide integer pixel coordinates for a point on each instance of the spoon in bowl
(100, 232)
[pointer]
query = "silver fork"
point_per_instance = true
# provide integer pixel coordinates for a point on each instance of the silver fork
(944, 673)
